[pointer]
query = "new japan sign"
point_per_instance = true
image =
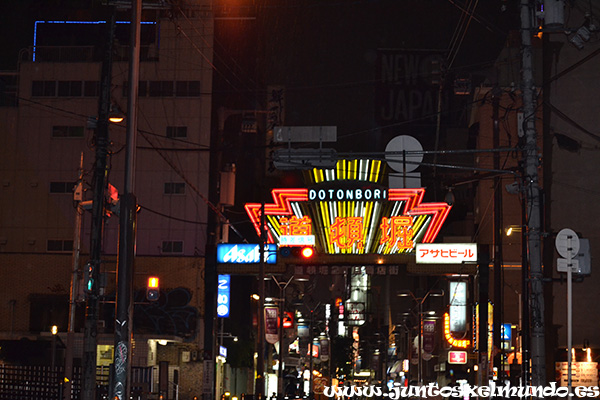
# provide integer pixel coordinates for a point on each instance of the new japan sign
(349, 211)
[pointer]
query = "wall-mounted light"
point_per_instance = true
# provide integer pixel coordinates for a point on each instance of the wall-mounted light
(513, 229)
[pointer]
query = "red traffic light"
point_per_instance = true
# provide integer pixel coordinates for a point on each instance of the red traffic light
(307, 252)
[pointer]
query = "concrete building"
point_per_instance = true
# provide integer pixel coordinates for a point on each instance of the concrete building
(565, 76)
(47, 130)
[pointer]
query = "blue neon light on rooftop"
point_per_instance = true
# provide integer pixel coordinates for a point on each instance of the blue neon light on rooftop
(35, 26)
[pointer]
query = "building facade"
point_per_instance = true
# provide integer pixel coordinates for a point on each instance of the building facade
(48, 130)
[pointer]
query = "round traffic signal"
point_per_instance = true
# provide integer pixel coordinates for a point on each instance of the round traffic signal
(304, 252)
(307, 252)
(152, 289)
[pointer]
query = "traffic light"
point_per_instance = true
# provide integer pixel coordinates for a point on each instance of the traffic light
(88, 278)
(152, 289)
(299, 252)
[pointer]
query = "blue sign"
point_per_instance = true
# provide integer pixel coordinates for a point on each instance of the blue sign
(506, 332)
(229, 253)
(223, 351)
(223, 286)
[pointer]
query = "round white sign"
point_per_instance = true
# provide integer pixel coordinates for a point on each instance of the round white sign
(564, 248)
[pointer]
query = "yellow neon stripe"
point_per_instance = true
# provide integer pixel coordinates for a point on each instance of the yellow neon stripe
(367, 221)
(323, 213)
(418, 224)
(315, 172)
(327, 225)
(377, 165)
(372, 174)
(323, 228)
(274, 223)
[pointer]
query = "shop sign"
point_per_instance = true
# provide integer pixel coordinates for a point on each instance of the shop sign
(223, 288)
(243, 253)
(446, 253)
(457, 357)
(271, 319)
(351, 213)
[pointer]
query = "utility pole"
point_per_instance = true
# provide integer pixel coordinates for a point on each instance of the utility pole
(127, 224)
(483, 265)
(525, 325)
(260, 361)
(532, 192)
(68, 381)
(498, 278)
(88, 389)
(282, 286)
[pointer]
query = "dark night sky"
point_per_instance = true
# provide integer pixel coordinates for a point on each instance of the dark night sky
(349, 24)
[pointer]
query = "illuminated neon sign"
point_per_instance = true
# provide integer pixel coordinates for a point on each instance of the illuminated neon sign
(229, 253)
(446, 253)
(457, 357)
(460, 343)
(349, 212)
(224, 283)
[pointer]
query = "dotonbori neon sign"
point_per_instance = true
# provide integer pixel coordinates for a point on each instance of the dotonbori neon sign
(346, 194)
(350, 212)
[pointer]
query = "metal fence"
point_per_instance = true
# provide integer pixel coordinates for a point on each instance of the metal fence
(45, 383)
(30, 382)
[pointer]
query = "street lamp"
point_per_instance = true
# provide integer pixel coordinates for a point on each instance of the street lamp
(420, 301)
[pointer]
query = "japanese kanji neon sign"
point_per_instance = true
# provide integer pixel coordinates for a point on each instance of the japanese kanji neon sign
(349, 211)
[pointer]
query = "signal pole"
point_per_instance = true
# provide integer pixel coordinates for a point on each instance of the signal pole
(532, 192)
(127, 225)
(260, 361)
(90, 341)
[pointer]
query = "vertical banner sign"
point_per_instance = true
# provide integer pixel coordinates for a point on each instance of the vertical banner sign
(428, 336)
(324, 349)
(271, 319)
(223, 288)
(458, 306)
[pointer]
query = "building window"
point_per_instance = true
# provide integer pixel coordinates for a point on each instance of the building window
(43, 88)
(176, 131)
(174, 188)
(70, 88)
(172, 246)
(67, 131)
(62, 187)
(160, 88)
(59, 245)
(142, 89)
(187, 88)
(91, 88)
(165, 89)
